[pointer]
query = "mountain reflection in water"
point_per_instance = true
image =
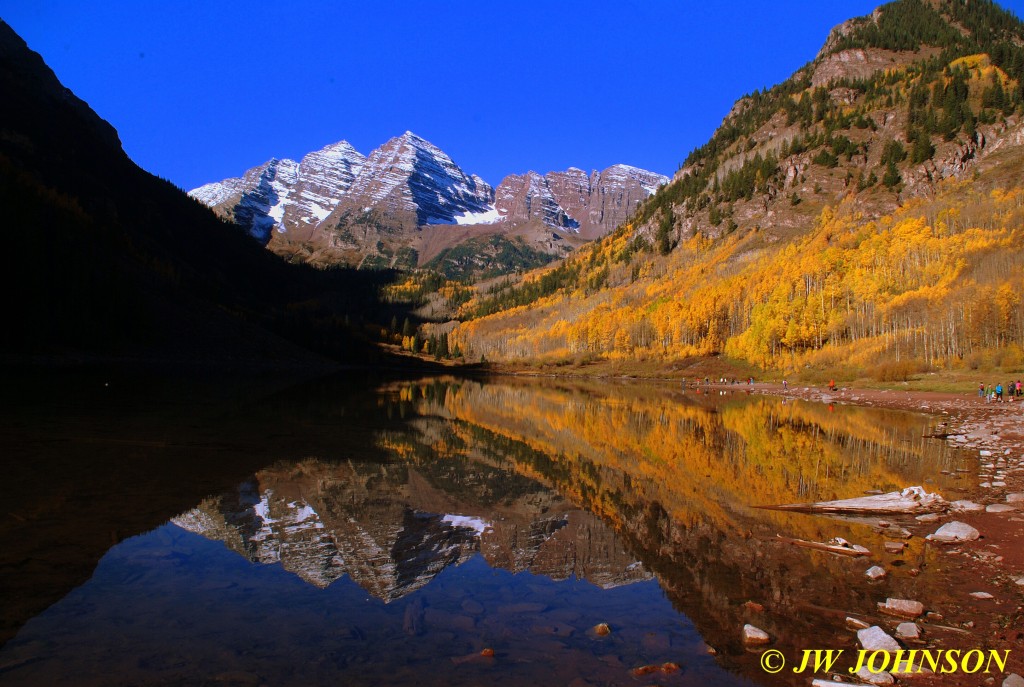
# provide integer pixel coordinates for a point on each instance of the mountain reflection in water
(512, 516)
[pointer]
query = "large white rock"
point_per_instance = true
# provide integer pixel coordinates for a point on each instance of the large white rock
(1013, 680)
(955, 531)
(876, 639)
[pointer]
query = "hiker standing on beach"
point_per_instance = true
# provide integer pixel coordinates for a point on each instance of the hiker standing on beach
(999, 392)
(981, 390)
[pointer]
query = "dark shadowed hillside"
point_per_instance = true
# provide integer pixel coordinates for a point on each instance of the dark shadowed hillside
(104, 260)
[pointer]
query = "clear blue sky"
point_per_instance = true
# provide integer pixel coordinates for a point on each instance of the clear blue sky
(202, 90)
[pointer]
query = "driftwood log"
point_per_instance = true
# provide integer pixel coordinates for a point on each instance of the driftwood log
(914, 500)
(843, 548)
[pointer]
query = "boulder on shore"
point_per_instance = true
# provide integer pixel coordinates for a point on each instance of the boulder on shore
(954, 532)
(876, 639)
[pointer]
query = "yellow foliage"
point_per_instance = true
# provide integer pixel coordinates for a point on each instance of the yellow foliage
(702, 459)
(936, 281)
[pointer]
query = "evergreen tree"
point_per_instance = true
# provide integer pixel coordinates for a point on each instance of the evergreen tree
(893, 153)
(664, 236)
(922, 148)
(892, 176)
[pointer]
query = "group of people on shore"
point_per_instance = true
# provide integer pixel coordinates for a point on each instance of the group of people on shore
(995, 393)
(721, 380)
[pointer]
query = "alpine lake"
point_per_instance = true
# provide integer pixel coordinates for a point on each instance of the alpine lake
(365, 530)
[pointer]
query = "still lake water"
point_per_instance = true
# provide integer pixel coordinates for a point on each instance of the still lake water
(363, 531)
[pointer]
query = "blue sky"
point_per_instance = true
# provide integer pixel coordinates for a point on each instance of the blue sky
(203, 90)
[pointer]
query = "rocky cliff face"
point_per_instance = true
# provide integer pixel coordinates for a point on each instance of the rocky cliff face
(845, 128)
(528, 198)
(284, 194)
(590, 205)
(603, 200)
(337, 207)
(410, 175)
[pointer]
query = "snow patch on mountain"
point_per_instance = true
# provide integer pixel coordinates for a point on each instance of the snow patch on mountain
(489, 216)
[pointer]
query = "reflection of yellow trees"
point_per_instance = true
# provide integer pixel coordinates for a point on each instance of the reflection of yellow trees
(935, 282)
(700, 462)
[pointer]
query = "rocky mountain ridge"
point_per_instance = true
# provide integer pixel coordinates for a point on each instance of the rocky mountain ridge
(893, 103)
(336, 206)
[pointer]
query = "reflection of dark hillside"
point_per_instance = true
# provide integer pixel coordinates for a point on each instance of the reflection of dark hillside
(94, 457)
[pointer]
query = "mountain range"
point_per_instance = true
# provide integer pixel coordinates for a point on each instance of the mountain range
(865, 210)
(408, 204)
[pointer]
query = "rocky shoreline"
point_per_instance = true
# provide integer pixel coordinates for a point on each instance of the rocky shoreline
(988, 573)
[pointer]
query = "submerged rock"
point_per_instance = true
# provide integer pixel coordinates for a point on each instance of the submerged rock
(966, 506)
(755, 635)
(875, 572)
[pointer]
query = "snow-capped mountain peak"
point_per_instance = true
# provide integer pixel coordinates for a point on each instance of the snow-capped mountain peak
(409, 174)
(341, 207)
